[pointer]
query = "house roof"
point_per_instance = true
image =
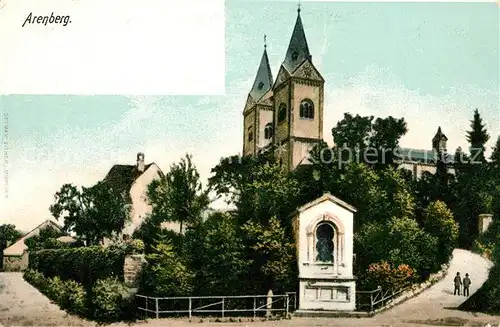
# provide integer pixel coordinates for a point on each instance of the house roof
(325, 197)
(121, 177)
(18, 247)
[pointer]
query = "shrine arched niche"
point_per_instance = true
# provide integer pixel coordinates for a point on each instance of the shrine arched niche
(325, 236)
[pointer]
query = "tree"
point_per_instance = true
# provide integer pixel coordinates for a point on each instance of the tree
(218, 256)
(93, 213)
(438, 221)
(397, 241)
(495, 155)
(352, 131)
(8, 234)
(477, 138)
(385, 138)
(375, 141)
(166, 273)
(178, 196)
(274, 250)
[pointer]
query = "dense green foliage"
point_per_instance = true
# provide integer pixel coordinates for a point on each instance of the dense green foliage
(92, 213)
(405, 229)
(84, 265)
(108, 300)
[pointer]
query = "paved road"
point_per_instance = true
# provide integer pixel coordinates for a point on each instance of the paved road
(22, 305)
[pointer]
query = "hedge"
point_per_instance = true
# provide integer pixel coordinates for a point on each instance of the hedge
(84, 265)
(108, 300)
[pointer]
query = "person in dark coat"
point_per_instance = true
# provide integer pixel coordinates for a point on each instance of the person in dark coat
(458, 282)
(466, 283)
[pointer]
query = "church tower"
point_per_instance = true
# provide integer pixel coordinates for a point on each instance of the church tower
(258, 126)
(439, 141)
(298, 102)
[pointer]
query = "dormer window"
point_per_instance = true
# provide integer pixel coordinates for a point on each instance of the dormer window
(268, 131)
(260, 86)
(295, 56)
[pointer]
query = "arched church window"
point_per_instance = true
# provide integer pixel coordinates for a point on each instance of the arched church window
(268, 131)
(282, 113)
(324, 243)
(260, 86)
(295, 56)
(250, 134)
(307, 109)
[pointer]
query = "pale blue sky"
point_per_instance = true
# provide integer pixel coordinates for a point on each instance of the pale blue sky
(432, 63)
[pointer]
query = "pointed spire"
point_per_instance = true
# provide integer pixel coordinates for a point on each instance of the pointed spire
(298, 50)
(264, 79)
(439, 135)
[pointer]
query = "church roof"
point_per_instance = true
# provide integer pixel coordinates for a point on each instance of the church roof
(263, 80)
(439, 135)
(422, 156)
(298, 50)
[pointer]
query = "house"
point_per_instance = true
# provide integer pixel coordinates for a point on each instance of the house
(132, 181)
(15, 256)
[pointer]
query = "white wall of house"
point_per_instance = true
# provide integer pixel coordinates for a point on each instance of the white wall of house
(140, 206)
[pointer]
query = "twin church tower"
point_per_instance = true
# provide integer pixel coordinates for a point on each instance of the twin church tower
(286, 112)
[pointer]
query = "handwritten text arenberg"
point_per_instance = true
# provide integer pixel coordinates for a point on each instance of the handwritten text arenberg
(44, 20)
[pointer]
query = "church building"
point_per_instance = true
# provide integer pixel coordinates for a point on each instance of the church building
(286, 112)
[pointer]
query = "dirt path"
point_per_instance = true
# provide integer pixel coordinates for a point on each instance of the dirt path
(23, 305)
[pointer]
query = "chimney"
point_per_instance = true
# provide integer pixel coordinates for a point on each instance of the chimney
(140, 162)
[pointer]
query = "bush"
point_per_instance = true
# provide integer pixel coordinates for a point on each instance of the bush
(84, 265)
(110, 299)
(166, 273)
(387, 276)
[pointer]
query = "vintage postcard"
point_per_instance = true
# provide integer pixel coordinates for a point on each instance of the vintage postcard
(268, 163)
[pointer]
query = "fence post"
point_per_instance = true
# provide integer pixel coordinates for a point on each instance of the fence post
(254, 306)
(190, 308)
(156, 309)
(222, 307)
(371, 302)
(287, 303)
(147, 312)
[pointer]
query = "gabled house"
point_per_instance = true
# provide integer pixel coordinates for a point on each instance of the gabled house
(132, 181)
(15, 256)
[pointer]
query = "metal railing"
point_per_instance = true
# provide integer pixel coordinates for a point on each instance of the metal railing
(224, 305)
(377, 298)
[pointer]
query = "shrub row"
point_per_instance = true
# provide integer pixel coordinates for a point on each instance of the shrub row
(84, 265)
(107, 300)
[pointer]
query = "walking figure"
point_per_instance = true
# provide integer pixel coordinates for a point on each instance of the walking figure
(466, 285)
(458, 283)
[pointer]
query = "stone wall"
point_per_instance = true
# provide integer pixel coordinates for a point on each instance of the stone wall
(132, 269)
